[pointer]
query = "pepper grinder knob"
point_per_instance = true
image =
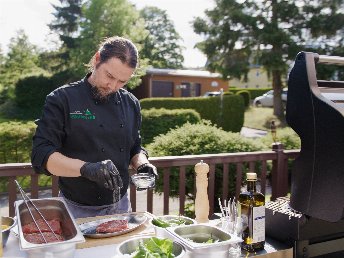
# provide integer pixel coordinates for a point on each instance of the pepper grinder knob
(202, 200)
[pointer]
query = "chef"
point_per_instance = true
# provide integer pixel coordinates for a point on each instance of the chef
(89, 134)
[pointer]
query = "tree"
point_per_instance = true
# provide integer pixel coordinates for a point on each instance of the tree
(106, 18)
(21, 59)
(161, 46)
(66, 24)
(268, 32)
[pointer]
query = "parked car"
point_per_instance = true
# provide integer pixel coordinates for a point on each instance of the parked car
(267, 99)
(212, 94)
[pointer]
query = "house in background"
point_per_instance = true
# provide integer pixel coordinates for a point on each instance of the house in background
(178, 83)
(257, 77)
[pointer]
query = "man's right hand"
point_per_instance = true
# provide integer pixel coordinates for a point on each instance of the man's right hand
(103, 173)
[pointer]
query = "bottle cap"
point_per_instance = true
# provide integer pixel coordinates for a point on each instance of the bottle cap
(251, 176)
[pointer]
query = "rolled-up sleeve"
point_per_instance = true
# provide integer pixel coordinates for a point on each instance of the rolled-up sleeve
(49, 134)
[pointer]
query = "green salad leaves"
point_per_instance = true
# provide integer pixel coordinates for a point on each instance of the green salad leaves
(155, 248)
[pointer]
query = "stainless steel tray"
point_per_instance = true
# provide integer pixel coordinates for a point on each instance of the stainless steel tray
(134, 221)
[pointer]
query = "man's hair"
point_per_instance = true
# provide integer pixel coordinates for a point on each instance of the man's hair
(117, 47)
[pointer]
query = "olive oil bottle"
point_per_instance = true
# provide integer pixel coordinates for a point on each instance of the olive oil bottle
(252, 208)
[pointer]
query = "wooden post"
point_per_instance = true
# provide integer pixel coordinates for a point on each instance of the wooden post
(202, 200)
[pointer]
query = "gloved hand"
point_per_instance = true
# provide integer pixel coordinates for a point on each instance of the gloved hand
(103, 173)
(149, 169)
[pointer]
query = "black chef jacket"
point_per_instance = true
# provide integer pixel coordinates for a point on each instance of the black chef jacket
(79, 126)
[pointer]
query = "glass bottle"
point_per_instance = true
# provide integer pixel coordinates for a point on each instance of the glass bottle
(252, 206)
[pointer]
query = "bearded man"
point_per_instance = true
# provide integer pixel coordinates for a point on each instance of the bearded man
(89, 134)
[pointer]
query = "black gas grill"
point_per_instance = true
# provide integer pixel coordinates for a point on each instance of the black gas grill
(312, 220)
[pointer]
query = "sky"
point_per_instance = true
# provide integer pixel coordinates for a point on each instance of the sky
(33, 16)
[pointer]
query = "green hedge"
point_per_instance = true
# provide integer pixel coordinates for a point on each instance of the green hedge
(253, 91)
(246, 96)
(227, 114)
(160, 121)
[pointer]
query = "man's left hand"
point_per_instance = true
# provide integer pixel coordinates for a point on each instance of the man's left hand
(149, 169)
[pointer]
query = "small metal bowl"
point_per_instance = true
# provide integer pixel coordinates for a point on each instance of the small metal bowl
(7, 224)
(130, 246)
(162, 232)
(143, 181)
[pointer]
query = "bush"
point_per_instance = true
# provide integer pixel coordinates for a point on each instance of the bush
(31, 91)
(160, 121)
(193, 139)
(16, 141)
(226, 112)
(253, 91)
(246, 96)
(286, 136)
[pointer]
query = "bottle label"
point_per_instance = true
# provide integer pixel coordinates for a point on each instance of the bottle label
(258, 224)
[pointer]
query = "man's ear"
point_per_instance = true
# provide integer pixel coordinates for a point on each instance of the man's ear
(96, 58)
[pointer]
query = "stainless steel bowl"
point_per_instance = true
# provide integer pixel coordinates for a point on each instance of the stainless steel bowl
(193, 237)
(162, 232)
(130, 246)
(51, 208)
(8, 223)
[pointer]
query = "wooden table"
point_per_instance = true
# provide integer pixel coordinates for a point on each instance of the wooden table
(107, 247)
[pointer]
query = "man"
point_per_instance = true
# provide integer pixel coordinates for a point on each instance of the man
(88, 134)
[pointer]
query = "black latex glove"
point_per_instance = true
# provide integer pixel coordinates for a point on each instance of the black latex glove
(103, 173)
(149, 169)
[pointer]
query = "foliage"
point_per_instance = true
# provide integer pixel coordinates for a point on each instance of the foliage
(268, 33)
(193, 139)
(246, 96)
(162, 45)
(253, 91)
(286, 136)
(68, 15)
(107, 18)
(227, 113)
(31, 91)
(159, 121)
(21, 59)
(16, 141)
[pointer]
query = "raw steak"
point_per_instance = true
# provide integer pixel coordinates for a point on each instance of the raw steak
(36, 238)
(112, 226)
(54, 224)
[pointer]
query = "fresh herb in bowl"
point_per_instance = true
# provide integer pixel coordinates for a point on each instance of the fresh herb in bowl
(169, 223)
(154, 248)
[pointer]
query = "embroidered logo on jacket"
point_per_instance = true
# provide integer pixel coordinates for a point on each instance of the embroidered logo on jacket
(86, 115)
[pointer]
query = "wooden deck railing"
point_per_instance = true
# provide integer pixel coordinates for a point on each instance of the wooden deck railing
(277, 156)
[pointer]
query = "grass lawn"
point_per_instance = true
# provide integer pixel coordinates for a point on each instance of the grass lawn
(260, 118)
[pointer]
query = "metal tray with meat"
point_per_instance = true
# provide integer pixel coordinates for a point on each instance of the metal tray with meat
(115, 225)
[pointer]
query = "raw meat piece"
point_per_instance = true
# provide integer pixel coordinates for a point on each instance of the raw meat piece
(36, 238)
(54, 224)
(112, 226)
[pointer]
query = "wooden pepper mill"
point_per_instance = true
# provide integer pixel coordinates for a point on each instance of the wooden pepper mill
(202, 201)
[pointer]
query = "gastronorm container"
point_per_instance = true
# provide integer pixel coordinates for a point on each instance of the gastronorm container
(130, 246)
(162, 232)
(193, 237)
(51, 208)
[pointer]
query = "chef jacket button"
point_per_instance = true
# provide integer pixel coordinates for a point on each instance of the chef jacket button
(121, 125)
(118, 102)
(121, 149)
(96, 102)
(103, 149)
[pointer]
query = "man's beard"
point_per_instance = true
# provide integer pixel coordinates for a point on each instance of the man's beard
(101, 94)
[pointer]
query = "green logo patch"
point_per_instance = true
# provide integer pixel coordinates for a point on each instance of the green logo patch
(86, 115)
